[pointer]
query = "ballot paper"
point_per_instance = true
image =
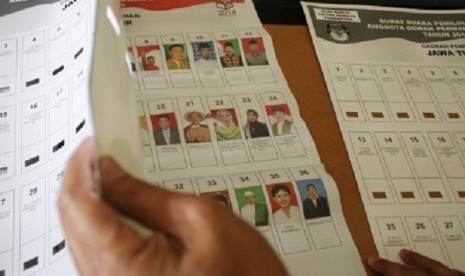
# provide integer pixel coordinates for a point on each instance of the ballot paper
(187, 95)
(396, 78)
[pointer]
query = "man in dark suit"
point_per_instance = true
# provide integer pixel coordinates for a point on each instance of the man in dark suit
(315, 206)
(254, 128)
(166, 135)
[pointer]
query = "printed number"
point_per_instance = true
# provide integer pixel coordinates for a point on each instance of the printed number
(3, 200)
(409, 72)
(34, 106)
(441, 139)
(224, 35)
(190, 103)
(33, 191)
(248, 33)
(246, 100)
(274, 176)
(303, 172)
(432, 73)
(219, 102)
(59, 92)
(448, 225)
(200, 37)
(179, 186)
(455, 72)
(161, 106)
(146, 41)
(362, 139)
(384, 71)
(60, 175)
(420, 226)
(211, 183)
(34, 39)
(388, 139)
(414, 139)
(361, 70)
(390, 226)
(3, 114)
(338, 69)
(272, 98)
(172, 39)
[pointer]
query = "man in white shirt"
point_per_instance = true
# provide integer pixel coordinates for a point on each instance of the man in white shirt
(253, 212)
(205, 61)
(166, 135)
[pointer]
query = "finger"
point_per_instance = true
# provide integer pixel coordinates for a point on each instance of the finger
(422, 262)
(95, 232)
(154, 207)
(386, 267)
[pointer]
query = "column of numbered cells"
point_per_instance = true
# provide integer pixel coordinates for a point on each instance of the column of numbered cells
(424, 238)
(371, 169)
(231, 59)
(393, 237)
(317, 215)
(460, 188)
(256, 127)
(286, 213)
(7, 141)
(398, 168)
(7, 219)
(57, 243)
(282, 125)
(58, 50)
(8, 55)
(145, 136)
(166, 134)
(149, 63)
(59, 119)
(452, 165)
(33, 61)
(394, 93)
(419, 94)
(228, 130)
(206, 60)
(78, 33)
(197, 132)
(79, 102)
(443, 94)
(32, 227)
(453, 238)
(426, 169)
(253, 204)
(456, 77)
(33, 134)
(369, 92)
(130, 52)
(344, 92)
(254, 48)
(180, 185)
(178, 61)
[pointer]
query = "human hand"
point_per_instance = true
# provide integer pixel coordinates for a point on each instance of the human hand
(414, 264)
(192, 236)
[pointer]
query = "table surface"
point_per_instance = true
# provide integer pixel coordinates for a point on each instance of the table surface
(297, 58)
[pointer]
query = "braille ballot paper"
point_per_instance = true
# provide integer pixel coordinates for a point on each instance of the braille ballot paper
(396, 78)
(187, 95)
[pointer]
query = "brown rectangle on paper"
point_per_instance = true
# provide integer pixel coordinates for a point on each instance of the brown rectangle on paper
(402, 115)
(377, 114)
(379, 195)
(435, 194)
(407, 194)
(461, 194)
(352, 114)
(429, 115)
(453, 115)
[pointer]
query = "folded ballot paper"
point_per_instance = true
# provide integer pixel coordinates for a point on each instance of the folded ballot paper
(187, 95)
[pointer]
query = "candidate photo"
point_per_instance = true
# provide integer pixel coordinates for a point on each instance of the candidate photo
(254, 128)
(176, 57)
(204, 55)
(314, 199)
(254, 52)
(281, 122)
(148, 56)
(165, 130)
(252, 206)
(231, 54)
(196, 132)
(225, 125)
(284, 203)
